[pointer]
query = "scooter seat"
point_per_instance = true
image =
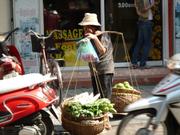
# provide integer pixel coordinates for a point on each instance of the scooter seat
(23, 81)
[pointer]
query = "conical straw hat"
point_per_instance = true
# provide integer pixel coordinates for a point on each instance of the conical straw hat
(90, 19)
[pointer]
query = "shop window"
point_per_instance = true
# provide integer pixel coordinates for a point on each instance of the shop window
(65, 16)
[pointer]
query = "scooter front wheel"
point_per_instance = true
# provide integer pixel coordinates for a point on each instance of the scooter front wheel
(139, 123)
(46, 125)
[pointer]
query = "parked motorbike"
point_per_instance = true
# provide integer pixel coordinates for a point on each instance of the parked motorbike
(158, 114)
(26, 100)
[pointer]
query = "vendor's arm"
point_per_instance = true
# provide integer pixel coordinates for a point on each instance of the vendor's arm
(97, 42)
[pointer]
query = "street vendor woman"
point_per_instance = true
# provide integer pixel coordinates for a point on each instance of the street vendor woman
(101, 71)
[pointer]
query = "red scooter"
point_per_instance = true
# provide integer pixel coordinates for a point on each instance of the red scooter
(26, 100)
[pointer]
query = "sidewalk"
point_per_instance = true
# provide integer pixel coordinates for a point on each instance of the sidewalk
(135, 76)
(145, 78)
(146, 91)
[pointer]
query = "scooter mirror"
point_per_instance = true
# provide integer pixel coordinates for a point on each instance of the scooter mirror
(2, 38)
(174, 62)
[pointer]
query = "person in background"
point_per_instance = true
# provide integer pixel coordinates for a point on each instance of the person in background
(101, 71)
(144, 25)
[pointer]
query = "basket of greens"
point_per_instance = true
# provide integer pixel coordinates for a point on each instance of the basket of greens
(85, 112)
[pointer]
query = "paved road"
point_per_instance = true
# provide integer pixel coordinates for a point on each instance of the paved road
(146, 91)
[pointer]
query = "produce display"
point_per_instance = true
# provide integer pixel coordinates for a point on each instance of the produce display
(85, 105)
(124, 94)
(124, 85)
(86, 112)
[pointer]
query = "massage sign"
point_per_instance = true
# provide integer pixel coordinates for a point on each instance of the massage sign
(65, 41)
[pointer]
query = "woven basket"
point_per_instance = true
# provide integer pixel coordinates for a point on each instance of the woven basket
(81, 125)
(121, 98)
(81, 128)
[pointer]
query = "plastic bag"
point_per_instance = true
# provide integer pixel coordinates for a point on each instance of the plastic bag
(86, 51)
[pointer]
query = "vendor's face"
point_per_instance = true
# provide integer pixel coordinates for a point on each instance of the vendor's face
(89, 29)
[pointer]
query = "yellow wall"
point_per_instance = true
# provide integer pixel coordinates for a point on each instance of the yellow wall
(5, 15)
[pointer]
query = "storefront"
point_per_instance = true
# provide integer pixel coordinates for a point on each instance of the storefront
(65, 16)
(114, 15)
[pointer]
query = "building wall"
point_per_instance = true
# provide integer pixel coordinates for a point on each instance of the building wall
(5, 15)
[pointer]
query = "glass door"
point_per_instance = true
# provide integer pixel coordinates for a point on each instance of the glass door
(121, 16)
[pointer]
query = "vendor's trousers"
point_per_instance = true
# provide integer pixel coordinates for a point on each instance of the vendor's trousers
(102, 84)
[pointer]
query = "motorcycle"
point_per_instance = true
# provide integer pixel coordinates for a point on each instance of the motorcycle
(158, 114)
(27, 102)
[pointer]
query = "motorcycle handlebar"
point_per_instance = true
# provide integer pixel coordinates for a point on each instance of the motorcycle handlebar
(6, 35)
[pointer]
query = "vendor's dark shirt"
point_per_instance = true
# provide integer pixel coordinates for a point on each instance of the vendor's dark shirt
(105, 65)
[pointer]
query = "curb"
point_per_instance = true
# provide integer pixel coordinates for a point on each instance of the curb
(81, 79)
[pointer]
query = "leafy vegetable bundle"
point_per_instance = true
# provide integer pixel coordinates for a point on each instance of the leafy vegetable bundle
(94, 108)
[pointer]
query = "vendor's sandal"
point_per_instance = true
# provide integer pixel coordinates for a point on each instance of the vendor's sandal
(107, 126)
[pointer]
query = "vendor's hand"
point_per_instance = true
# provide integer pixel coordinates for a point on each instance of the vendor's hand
(91, 36)
(98, 33)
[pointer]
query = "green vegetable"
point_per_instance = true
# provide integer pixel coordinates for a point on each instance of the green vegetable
(94, 109)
